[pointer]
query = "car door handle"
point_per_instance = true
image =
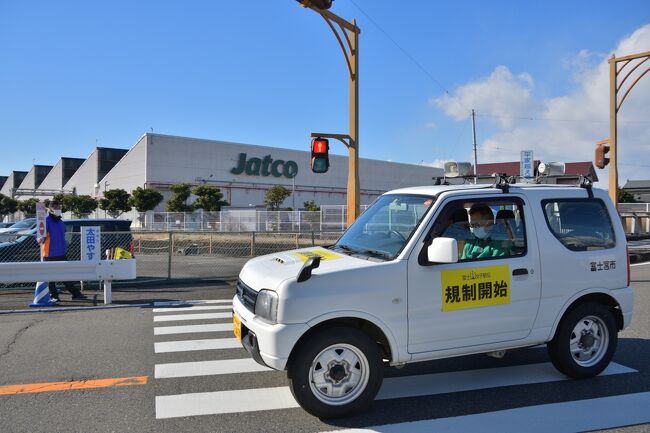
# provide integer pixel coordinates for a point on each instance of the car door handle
(520, 271)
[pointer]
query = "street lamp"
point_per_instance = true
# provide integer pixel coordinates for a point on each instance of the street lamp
(349, 32)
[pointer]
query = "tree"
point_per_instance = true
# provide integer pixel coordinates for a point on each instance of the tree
(61, 198)
(28, 207)
(115, 202)
(311, 206)
(79, 205)
(145, 199)
(275, 196)
(178, 201)
(7, 206)
(625, 196)
(209, 198)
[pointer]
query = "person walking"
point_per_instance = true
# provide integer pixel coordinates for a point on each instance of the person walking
(54, 248)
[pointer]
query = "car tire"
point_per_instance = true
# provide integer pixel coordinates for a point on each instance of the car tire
(585, 341)
(336, 372)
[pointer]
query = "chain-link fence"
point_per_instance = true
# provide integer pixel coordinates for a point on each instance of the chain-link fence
(185, 255)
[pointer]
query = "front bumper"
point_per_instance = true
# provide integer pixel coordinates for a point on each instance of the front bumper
(268, 344)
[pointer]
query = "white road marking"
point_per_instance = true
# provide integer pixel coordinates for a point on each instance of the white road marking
(441, 383)
(640, 264)
(196, 316)
(207, 403)
(192, 302)
(192, 308)
(207, 368)
(188, 329)
(187, 345)
(257, 399)
(571, 416)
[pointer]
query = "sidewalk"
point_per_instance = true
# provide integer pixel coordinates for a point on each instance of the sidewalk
(17, 300)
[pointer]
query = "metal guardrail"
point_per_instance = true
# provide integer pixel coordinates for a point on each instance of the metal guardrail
(104, 270)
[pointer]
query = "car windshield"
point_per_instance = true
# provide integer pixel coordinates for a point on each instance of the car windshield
(24, 224)
(384, 228)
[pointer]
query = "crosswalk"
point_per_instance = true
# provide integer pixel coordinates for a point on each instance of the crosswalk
(184, 347)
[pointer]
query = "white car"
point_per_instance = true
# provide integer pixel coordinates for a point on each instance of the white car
(439, 271)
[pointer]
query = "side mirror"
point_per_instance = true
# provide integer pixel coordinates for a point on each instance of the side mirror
(305, 271)
(443, 250)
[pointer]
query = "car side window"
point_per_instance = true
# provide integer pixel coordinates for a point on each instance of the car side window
(484, 229)
(580, 224)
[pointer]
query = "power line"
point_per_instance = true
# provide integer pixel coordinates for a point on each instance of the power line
(406, 53)
(550, 119)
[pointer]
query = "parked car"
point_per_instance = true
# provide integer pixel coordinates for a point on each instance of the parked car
(9, 233)
(114, 233)
(5, 225)
(467, 269)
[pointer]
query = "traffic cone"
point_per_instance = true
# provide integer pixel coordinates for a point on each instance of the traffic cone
(42, 295)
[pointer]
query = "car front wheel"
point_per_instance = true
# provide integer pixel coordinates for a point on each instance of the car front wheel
(336, 372)
(585, 341)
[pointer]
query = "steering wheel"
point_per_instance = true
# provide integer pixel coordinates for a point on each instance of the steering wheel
(399, 235)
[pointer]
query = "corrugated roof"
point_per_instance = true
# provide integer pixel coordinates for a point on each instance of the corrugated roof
(637, 184)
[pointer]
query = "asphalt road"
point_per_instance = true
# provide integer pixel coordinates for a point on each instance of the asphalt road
(466, 394)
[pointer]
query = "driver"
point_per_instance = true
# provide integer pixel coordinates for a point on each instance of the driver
(481, 245)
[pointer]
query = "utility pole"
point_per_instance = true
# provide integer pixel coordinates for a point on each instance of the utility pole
(474, 145)
(615, 105)
(347, 36)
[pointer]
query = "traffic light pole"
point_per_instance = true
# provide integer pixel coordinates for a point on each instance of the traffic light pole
(349, 32)
(615, 106)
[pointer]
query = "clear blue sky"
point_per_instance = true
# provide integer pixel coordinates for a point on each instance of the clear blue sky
(76, 73)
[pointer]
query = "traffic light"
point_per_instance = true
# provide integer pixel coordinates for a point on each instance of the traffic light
(320, 160)
(318, 4)
(601, 151)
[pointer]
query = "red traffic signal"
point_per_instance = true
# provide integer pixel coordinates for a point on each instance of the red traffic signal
(601, 151)
(318, 4)
(320, 161)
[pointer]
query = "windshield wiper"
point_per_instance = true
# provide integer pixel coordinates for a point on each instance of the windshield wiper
(376, 253)
(346, 248)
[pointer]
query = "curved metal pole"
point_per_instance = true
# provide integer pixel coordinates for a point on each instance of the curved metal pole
(628, 74)
(347, 38)
(338, 38)
(625, 62)
(631, 86)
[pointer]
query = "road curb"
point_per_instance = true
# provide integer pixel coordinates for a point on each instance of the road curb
(60, 309)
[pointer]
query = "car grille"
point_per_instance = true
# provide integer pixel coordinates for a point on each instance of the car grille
(246, 295)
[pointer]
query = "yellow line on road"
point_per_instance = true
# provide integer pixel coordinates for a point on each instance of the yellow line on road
(73, 384)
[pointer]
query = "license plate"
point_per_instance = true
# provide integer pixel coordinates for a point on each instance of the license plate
(236, 323)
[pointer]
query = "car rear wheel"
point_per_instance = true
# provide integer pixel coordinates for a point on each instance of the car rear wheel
(336, 372)
(585, 341)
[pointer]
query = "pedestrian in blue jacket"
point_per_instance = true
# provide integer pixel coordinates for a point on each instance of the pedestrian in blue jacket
(54, 248)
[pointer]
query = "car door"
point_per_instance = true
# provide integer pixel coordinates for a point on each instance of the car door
(480, 300)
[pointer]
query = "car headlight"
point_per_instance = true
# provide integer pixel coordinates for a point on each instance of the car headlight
(266, 305)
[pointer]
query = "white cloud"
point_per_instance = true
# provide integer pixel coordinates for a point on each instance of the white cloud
(499, 94)
(573, 122)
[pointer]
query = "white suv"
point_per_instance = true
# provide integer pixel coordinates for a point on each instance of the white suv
(440, 271)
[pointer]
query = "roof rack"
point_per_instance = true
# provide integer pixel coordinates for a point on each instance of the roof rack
(586, 183)
(503, 181)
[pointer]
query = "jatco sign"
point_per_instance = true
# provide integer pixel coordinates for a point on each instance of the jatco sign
(266, 166)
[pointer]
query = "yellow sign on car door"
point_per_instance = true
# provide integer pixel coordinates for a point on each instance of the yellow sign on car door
(475, 287)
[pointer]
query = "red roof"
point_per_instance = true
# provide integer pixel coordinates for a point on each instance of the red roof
(512, 168)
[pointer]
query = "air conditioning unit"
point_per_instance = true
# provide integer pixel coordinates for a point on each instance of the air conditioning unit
(458, 169)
